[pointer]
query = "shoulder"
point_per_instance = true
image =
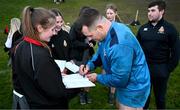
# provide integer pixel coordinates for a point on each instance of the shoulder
(64, 32)
(64, 35)
(121, 28)
(170, 28)
(120, 36)
(38, 51)
(114, 37)
(76, 26)
(168, 25)
(17, 34)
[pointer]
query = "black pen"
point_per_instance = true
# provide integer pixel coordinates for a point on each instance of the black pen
(84, 70)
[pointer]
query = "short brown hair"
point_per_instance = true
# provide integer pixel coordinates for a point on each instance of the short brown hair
(88, 17)
(160, 3)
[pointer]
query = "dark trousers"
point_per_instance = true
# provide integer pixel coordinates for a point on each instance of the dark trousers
(71, 93)
(159, 85)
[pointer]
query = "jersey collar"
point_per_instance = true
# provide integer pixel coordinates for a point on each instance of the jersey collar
(30, 40)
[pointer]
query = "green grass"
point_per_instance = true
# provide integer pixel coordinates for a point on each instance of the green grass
(70, 10)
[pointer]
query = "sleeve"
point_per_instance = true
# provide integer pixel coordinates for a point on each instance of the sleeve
(174, 44)
(48, 76)
(121, 57)
(95, 60)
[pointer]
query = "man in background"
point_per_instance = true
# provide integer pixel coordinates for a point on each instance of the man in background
(159, 40)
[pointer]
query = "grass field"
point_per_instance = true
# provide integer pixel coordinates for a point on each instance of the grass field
(70, 9)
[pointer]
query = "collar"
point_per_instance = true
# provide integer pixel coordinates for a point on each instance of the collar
(30, 40)
(108, 33)
(160, 22)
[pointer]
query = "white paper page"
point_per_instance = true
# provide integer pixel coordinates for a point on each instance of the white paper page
(72, 67)
(76, 81)
(61, 64)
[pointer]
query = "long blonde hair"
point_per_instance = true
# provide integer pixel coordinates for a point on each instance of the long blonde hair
(114, 8)
(15, 26)
(31, 17)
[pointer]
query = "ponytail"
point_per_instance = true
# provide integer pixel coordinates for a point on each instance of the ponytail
(31, 17)
(27, 26)
(118, 18)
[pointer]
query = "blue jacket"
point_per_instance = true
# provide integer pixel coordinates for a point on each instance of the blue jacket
(124, 62)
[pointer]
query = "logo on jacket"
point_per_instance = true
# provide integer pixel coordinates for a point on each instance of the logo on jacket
(145, 29)
(52, 46)
(161, 30)
(65, 43)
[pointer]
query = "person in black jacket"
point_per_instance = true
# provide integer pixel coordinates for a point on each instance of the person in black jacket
(37, 81)
(82, 50)
(61, 48)
(80, 44)
(159, 40)
(60, 43)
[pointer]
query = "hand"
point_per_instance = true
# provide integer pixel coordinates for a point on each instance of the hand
(91, 44)
(92, 77)
(72, 61)
(65, 71)
(63, 74)
(84, 69)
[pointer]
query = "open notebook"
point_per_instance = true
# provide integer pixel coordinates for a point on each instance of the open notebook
(76, 81)
(69, 65)
(73, 80)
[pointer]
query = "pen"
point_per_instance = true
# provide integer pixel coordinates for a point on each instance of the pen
(84, 70)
